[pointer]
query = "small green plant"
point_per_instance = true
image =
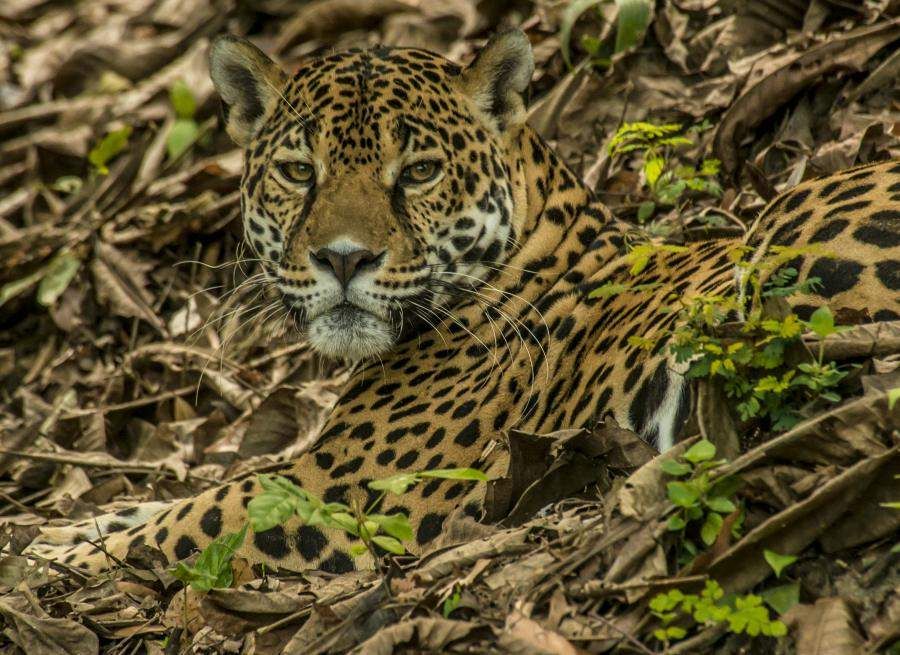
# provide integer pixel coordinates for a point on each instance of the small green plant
(212, 568)
(110, 145)
(451, 602)
(281, 499)
(51, 280)
(184, 131)
(665, 179)
(762, 366)
(778, 562)
(702, 501)
(739, 614)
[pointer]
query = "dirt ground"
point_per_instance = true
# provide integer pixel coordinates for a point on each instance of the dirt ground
(141, 360)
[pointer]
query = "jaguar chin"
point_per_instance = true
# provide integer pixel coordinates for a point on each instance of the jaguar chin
(349, 332)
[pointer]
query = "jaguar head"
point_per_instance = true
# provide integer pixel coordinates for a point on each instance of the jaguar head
(377, 183)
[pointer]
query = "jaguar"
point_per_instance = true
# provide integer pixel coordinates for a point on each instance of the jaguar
(416, 226)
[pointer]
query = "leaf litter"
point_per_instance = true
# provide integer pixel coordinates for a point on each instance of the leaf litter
(135, 365)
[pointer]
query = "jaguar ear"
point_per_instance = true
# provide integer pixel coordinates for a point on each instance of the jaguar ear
(499, 77)
(249, 83)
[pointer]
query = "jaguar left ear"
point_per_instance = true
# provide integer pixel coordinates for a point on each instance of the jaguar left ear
(499, 77)
(249, 83)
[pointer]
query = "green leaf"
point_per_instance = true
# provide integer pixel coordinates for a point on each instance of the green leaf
(632, 23)
(12, 289)
(683, 494)
(356, 550)
(711, 528)
(390, 544)
(68, 184)
(893, 395)
(675, 523)
(778, 562)
(645, 210)
(279, 501)
(720, 504)
(701, 451)
(822, 322)
(608, 290)
(570, 15)
(212, 568)
(783, 598)
(182, 100)
(451, 602)
(181, 137)
(455, 474)
(396, 484)
(396, 525)
(653, 168)
(110, 146)
(675, 632)
(673, 467)
(59, 274)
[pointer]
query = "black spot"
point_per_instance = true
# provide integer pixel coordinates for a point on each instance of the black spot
(888, 272)
(184, 547)
(128, 511)
(184, 511)
(324, 460)
(386, 456)
(837, 275)
(851, 193)
(221, 493)
(469, 434)
(362, 431)
(829, 230)
(795, 199)
(351, 466)
(881, 229)
(430, 527)
(339, 562)
(211, 523)
(407, 459)
(310, 542)
(116, 526)
(247, 486)
(436, 438)
(464, 409)
(336, 493)
(161, 535)
(272, 542)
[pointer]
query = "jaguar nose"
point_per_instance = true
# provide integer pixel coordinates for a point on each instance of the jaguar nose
(344, 265)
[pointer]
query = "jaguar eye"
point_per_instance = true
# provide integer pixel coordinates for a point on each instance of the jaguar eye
(296, 172)
(420, 172)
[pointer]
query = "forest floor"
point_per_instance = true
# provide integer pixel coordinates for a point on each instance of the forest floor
(134, 367)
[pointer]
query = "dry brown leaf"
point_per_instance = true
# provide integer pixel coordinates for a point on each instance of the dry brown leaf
(528, 637)
(850, 51)
(424, 634)
(45, 635)
(826, 628)
(121, 282)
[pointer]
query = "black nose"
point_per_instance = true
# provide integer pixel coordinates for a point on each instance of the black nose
(344, 265)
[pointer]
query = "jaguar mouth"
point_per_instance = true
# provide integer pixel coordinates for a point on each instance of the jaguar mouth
(347, 331)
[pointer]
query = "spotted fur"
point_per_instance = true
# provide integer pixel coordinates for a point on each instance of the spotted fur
(473, 288)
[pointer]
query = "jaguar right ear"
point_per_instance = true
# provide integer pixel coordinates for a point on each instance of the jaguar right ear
(249, 83)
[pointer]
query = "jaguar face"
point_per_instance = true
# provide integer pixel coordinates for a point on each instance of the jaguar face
(376, 185)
